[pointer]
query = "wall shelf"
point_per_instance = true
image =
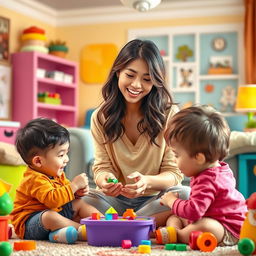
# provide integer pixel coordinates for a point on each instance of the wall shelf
(189, 80)
(27, 85)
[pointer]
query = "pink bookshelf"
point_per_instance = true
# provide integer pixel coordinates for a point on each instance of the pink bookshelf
(30, 76)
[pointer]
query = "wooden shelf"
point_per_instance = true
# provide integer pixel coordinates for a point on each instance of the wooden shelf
(218, 77)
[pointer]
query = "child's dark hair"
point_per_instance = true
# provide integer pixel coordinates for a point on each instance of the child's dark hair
(200, 129)
(39, 135)
(155, 105)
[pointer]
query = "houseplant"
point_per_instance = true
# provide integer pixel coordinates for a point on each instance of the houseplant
(58, 48)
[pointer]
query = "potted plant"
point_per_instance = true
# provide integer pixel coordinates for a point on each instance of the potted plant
(58, 48)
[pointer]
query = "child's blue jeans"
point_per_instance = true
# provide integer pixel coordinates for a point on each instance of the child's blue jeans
(34, 229)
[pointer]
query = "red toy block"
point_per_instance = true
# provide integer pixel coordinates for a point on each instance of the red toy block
(115, 216)
(95, 216)
(126, 244)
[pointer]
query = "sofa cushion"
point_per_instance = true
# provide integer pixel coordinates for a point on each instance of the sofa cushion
(242, 142)
(9, 155)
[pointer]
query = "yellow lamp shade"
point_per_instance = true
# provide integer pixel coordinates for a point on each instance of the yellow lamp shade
(246, 98)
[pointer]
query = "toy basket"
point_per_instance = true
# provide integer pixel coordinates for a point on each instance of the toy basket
(111, 232)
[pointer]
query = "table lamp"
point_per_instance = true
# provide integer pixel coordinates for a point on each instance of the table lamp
(246, 102)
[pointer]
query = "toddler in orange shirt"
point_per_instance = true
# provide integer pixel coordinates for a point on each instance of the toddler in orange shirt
(46, 200)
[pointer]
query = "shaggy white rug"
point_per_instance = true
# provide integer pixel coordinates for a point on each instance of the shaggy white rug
(83, 249)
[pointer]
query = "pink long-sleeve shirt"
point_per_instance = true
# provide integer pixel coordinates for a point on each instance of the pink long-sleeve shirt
(213, 194)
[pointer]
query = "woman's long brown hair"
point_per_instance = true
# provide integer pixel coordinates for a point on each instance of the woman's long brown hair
(154, 106)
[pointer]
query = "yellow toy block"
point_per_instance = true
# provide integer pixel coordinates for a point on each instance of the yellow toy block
(143, 248)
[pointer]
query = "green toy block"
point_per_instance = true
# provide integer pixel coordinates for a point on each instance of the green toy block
(170, 247)
(176, 247)
(181, 247)
(112, 180)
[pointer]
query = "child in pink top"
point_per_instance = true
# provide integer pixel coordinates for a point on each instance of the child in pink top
(199, 137)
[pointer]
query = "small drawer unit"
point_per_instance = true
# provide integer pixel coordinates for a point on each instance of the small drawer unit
(247, 174)
(8, 130)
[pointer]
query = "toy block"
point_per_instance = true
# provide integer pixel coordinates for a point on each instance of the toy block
(146, 242)
(176, 247)
(126, 244)
(144, 248)
(115, 216)
(108, 216)
(170, 247)
(24, 245)
(95, 216)
(112, 180)
(181, 247)
(111, 210)
(129, 214)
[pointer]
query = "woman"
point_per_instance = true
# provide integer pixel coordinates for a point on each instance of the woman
(128, 131)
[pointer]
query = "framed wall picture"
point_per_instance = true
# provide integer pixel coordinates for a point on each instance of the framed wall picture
(5, 91)
(185, 77)
(4, 39)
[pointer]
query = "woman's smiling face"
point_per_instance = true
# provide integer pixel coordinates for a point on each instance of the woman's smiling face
(134, 81)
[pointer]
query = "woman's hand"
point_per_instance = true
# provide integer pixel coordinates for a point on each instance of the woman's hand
(137, 188)
(110, 189)
(168, 199)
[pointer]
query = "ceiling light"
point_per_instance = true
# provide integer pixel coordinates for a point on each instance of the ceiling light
(141, 5)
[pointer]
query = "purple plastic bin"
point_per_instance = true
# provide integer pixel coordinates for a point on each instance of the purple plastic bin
(111, 232)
